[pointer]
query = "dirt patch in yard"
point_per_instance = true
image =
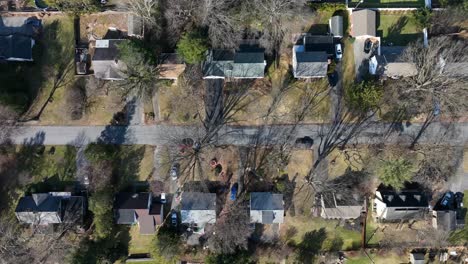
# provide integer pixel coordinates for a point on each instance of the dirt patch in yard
(96, 26)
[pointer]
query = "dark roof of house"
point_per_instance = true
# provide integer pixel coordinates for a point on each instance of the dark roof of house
(266, 201)
(20, 25)
(319, 43)
(38, 203)
(223, 55)
(132, 201)
(407, 197)
(108, 53)
(198, 201)
(16, 46)
(392, 53)
(155, 209)
(311, 64)
(249, 57)
(363, 22)
(342, 199)
(336, 26)
(73, 209)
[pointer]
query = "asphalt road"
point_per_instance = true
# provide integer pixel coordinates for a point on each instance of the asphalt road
(453, 134)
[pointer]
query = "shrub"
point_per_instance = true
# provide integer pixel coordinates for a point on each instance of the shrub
(192, 47)
(395, 172)
(364, 96)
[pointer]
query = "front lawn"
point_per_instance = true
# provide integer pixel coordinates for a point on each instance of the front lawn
(397, 28)
(139, 244)
(460, 237)
(376, 257)
(302, 224)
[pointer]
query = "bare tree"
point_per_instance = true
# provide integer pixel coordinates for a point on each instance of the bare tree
(436, 87)
(274, 15)
(231, 231)
(146, 9)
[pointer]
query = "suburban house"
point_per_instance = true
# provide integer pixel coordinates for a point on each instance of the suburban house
(266, 208)
(389, 63)
(311, 56)
(171, 66)
(363, 23)
(198, 209)
(17, 37)
(409, 203)
(105, 61)
(417, 258)
(456, 69)
(245, 63)
(341, 206)
(140, 209)
(50, 208)
(336, 26)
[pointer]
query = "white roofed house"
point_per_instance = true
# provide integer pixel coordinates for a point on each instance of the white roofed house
(198, 209)
(392, 205)
(266, 208)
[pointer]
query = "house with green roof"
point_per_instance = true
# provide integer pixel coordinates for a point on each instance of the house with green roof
(236, 64)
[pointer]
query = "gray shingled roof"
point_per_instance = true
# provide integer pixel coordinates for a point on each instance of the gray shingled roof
(311, 64)
(336, 26)
(125, 216)
(227, 63)
(198, 201)
(446, 220)
(363, 22)
(266, 201)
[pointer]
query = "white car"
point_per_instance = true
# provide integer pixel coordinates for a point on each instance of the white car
(338, 51)
(163, 198)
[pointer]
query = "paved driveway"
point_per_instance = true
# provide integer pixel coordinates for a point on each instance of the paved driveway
(359, 57)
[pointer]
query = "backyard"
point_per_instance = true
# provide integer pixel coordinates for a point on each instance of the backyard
(397, 28)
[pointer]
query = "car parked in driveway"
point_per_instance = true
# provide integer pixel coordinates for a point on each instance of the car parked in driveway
(234, 191)
(174, 218)
(174, 171)
(368, 45)
(459, 200)
(163, 198)
(447, 200)
(338, 51)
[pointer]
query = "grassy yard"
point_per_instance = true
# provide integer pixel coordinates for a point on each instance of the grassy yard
(139, 244)
(177, 104)
(378, 258)
(460, 237)
(465, 160)
(341, 161)
(397, 28)
(348, 65)
(303, 224)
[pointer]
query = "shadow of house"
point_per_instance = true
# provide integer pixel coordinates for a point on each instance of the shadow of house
(17, 37)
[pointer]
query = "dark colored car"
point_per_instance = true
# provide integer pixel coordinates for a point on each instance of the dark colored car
(234, 191)
(447, 200)
(304, 142)
(459, 200)
(367, 45)
(173, 218)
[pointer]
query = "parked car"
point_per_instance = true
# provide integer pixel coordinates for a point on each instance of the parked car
(304, 142)
(234, 191)
(338, 51)
(163, 198)
(368, 45)
(174, 171)
(459, 200)
(174, 218)
(447, 200)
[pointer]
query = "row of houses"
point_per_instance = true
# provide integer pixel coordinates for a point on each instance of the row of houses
(388, 204)
(196, 209)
